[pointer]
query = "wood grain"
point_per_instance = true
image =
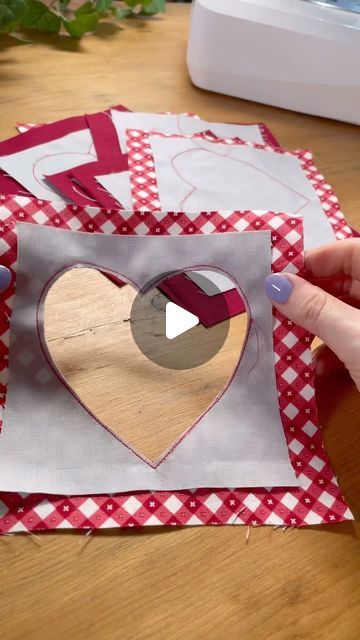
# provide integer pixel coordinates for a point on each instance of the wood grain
(197, 583)
(89, 338)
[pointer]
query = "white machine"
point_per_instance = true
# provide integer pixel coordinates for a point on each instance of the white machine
(302, 55)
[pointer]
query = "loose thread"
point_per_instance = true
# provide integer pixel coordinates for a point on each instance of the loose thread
(236, 515)
(34, 538)
(247, 536)
(88, 539)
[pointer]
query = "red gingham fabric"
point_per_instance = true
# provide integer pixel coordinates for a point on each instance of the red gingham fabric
(22, 127)
(317, 500)
(266, 134)
(144, 187)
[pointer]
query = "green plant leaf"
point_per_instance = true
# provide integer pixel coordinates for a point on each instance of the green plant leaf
(38, 16)
(11, 12)
(102, 6)
(131, 3)
(150, 8)
(122, 13)
(83, 23)
(84, 9)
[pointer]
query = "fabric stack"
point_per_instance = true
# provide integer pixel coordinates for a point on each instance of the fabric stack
(255, 456)
(148, 162)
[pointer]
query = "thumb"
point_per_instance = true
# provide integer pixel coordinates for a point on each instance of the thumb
(335, 322)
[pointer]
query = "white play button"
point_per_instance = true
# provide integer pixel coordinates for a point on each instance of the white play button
(178, 320)
(169, 335)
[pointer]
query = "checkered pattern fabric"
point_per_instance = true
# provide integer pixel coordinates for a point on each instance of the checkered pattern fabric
(22, 127)
(266, 134)
(317, 500)
(145, 191)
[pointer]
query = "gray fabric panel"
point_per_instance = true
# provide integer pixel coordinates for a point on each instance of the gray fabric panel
(51, 444)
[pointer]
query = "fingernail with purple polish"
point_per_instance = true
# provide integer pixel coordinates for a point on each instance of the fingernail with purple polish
(278, 288)
(5, 278)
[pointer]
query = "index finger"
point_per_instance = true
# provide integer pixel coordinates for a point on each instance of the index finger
(335, 259)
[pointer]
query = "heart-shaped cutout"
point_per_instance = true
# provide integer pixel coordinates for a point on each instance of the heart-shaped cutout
(89, 339)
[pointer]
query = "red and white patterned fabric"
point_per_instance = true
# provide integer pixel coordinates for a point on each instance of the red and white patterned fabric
(144, 186)
(22, 127)
(267, 135)
(318, 499)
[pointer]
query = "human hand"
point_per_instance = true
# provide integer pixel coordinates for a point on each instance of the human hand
(334, 271)
(5, 278)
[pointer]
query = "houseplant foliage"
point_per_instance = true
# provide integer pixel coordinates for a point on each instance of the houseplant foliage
(76, 19)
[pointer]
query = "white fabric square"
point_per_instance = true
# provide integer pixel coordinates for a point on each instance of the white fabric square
(200, 175)
(30, 166)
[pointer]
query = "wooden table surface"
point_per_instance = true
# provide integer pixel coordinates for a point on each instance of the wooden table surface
(201, 582)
